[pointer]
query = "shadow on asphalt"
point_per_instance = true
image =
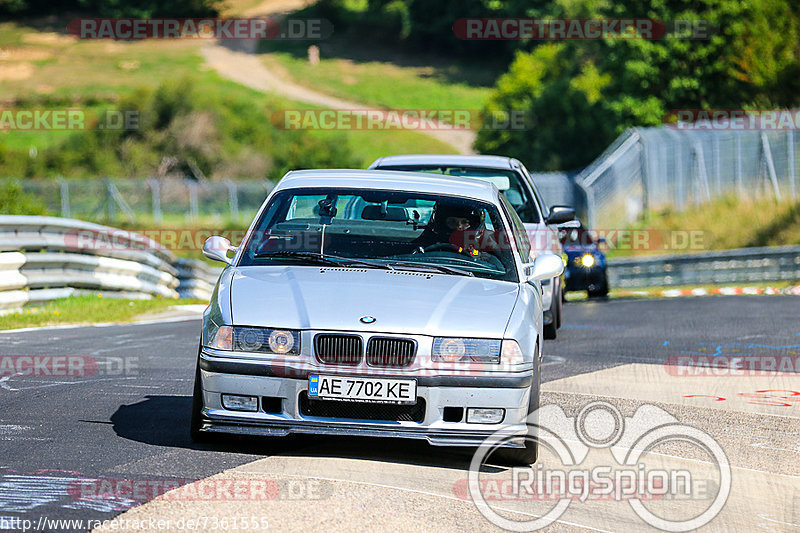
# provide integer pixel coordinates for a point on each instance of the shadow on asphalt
(164, 421)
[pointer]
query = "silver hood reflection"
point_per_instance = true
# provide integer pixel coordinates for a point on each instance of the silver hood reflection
(324, 298)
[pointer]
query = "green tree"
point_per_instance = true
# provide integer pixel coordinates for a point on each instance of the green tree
(577, 96)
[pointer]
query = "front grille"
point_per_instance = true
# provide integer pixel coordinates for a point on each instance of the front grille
(339, 349)
(385, 351)
(386, 412)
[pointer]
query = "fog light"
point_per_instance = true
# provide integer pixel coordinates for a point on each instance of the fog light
(485, 416)
(239, 403)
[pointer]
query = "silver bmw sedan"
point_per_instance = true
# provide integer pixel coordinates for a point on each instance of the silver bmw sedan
(376, 303)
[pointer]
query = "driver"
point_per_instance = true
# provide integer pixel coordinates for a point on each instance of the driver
(453, 224)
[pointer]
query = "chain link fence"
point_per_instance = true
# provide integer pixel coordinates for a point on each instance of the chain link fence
(657, 168)
(150, 200)
(559, 188)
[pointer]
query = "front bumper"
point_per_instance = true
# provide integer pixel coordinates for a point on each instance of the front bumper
(580, 278)
(284, 387)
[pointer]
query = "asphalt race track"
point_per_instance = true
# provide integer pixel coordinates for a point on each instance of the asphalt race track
(127, 419)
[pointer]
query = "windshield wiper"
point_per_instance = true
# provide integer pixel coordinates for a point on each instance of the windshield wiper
(320, 259)
(431, 268)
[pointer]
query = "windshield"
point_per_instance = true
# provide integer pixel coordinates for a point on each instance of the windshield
(384, 229)
(508, 181)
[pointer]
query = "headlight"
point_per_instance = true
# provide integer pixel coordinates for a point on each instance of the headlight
(455, 350)
(264, 340)
(587, 261)
(260, 340)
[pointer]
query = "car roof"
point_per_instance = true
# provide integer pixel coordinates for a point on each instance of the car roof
(484, 161)
(391, 180)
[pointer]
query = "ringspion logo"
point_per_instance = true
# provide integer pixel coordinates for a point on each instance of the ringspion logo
(601, 455)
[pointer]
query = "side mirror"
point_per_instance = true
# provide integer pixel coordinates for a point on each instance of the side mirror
(545, 266)
(560, 214)
(217, 248)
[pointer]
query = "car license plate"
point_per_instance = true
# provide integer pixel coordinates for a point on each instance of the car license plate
(362, 389)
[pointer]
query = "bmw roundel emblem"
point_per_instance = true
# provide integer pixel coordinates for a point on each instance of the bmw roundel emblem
(367, 319)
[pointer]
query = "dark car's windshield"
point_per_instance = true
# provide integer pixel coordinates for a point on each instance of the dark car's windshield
(389, 229)
(508, 181)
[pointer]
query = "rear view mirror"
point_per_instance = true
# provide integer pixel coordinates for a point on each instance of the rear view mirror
(217, 248)
(384, 212)
(561, 214)
(545, 266)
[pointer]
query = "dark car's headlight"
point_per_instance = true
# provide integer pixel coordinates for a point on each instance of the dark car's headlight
(261, 340)
(587, 260)
(458, 350)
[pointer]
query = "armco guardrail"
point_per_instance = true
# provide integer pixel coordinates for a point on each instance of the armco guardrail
(197, 279)
(780, 263)
(43, 258)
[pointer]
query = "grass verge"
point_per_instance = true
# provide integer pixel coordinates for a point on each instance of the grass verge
(723, 224)
(87, 309)
(381, 84)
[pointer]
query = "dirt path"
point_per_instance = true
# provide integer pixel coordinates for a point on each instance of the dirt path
(238, 62)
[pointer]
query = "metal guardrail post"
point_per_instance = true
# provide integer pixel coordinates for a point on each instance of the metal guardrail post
(110, 207)
(233, 199)
(766, 152)
(193, 207)
(155, 188)
(790, 156)
(64, 197)
(738, 177)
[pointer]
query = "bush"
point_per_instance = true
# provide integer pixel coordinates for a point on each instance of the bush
(15, 201)
(183, 130)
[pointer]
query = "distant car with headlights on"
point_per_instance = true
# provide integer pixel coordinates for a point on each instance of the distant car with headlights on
(585, 262)
(373, 303)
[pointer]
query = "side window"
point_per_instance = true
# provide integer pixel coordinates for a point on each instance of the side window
(519, 197)
(518, 229)
(543, 209)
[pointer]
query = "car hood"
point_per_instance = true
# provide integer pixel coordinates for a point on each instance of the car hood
(320, 298)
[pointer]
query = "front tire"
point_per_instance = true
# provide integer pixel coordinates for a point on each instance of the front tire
(551, 329)
(560, 306)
